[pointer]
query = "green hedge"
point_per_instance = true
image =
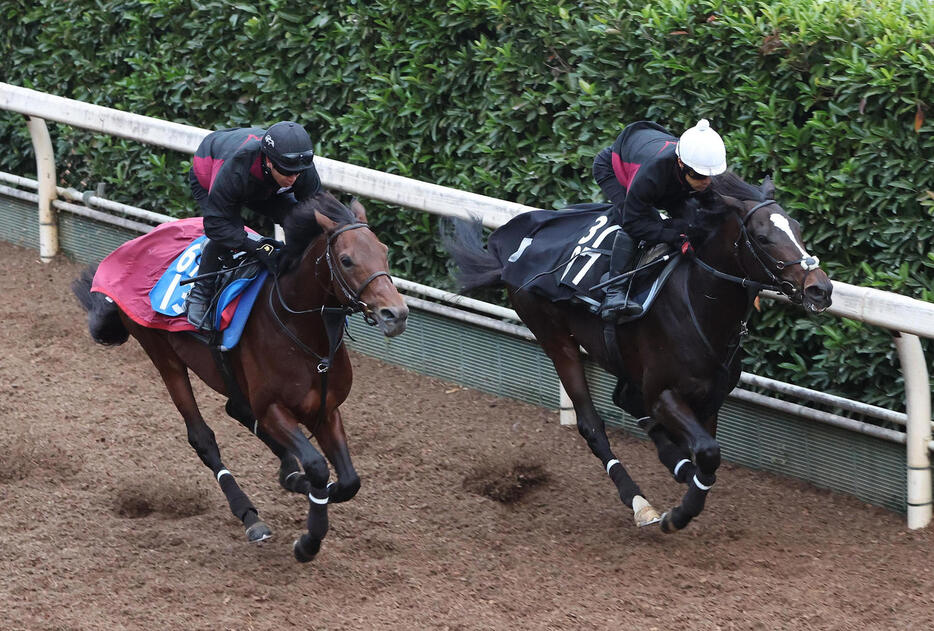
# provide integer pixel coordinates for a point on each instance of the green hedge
(513, 100)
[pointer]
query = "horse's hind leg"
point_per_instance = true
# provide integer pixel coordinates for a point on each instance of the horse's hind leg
(291, 477)
(566, 358)
(201, 437)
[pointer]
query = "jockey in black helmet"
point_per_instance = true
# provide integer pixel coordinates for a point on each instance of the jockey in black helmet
(269, 172)
(647, 169)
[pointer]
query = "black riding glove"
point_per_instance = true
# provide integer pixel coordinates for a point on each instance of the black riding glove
(268, 251)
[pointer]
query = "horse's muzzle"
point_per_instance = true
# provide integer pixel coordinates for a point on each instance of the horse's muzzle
(816, 297)
(391, 320)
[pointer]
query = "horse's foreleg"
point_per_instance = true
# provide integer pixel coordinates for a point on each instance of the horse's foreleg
(570, 369)
(291, 477)
(333, 442)
(675, 458)
(284, 428)
(202, 440)
(672, 409)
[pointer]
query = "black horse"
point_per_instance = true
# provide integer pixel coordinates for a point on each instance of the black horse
(676, 364)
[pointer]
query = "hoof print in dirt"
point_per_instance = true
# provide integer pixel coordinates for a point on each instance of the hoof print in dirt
(140, 499)
(505, 483)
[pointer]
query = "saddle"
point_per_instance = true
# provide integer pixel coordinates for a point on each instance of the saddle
(565, 256)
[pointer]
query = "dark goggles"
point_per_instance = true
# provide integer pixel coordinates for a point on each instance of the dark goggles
(293, 163)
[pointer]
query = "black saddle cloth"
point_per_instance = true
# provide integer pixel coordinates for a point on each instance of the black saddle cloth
(562, 254)
(556, 254)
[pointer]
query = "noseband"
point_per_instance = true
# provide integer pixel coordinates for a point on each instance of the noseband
(333, 316)
(353, 297)
(809, 263)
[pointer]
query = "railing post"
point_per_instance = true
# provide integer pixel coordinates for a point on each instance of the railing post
(45, 174)
(918, 430)
(566, 414)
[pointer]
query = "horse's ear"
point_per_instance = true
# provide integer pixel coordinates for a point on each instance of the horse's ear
(358, 210)
(328, 225)
(768, 188)
(732, 202)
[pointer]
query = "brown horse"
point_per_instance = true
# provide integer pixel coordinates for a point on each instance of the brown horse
(676, 364)
(333, 265)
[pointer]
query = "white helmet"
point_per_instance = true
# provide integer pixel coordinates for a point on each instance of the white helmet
(701, 148)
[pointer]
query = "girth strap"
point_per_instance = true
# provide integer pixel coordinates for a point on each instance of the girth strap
(234, 393)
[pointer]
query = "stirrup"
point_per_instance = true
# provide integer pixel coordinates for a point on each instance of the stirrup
(204, 322)
(622, 311)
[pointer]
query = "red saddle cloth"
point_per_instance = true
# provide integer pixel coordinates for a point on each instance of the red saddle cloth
(129, 273)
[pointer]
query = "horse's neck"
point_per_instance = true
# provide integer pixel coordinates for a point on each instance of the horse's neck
(716, 300)
(308, 283)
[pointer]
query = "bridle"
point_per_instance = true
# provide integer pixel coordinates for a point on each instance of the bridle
(353, 303)
(353, 297)
(786, 287)
(809, 263)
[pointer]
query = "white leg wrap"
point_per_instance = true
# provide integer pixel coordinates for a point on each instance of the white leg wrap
(702, 487)
(320, 502)
(610, 464)
(679, 465)
(222, 473)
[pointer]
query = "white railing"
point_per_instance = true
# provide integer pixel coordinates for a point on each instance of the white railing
(906, 317)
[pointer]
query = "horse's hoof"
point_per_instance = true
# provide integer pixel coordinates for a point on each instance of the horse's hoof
(304, 551)
(666, 524)
(644, 513)
(647, 516)
(258, 532)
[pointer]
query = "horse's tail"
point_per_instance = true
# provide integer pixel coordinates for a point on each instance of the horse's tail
(476, 266)
(104, 321)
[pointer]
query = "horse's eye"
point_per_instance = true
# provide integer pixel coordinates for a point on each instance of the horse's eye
(346, 261)
(761, 238)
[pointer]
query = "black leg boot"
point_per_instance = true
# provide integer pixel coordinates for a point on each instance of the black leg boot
(198, 302)
(616, 302)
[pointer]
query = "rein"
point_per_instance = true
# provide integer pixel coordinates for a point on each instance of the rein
(333, 317)
(752, 287)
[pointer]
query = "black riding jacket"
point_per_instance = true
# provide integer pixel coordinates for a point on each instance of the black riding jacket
(645, 164)
(227, 173)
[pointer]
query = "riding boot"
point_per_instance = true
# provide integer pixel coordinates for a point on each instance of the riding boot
(616, 303)
(198, 302)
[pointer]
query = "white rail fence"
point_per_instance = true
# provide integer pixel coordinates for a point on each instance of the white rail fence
(907, 318)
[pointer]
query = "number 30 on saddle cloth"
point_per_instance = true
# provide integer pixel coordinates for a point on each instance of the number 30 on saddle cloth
(562, 254)
(143, 278)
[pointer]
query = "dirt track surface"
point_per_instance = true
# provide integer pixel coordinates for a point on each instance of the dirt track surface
(111, 522)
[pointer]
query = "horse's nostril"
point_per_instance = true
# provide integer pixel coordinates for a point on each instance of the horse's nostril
(387, 314)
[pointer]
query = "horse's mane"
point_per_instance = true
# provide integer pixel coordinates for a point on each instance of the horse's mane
(730, 184)
(301, 227)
